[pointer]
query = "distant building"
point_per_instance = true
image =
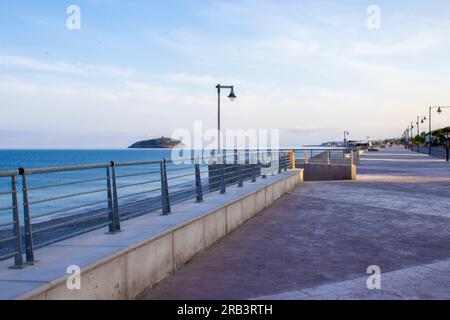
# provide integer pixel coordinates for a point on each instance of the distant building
(360, 144)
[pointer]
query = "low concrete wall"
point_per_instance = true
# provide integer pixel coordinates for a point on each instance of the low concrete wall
(328, 172)
(127, 273)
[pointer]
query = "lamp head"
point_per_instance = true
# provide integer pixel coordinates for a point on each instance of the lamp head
(232, 96)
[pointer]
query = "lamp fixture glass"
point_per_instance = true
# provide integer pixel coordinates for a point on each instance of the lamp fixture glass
(232, 96)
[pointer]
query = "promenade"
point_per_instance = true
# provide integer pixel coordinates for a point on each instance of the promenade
(317, 241)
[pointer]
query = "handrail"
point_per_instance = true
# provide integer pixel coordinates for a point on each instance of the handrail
(56, 210)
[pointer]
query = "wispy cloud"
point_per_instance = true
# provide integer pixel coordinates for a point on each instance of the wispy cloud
(204, 80)
(411, 44)
(33, 19)
(31, 64)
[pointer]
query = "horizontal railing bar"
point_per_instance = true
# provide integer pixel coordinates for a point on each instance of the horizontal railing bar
(190, 167)
(135, 214)
(181, 184)
(4, 224)
(138, 202)
(71, 222)
(193, 196)
(137, 163)
(7, 208)
(43, 244)
(66, 168)
(8, 255)
(182, 176)
(8, 239)
(182, 191)
(70, 208)
(66, 184)
(139, 193)
(67, 196)
(137, 174)
(136, 184)
(8, 173)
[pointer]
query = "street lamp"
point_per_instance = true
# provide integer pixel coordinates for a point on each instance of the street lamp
(439, 111)
(420, 119)
(408, 129)
(405, 137)
(346, 133)
(232, 97)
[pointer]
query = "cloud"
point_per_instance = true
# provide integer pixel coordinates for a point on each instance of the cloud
(31, 64)
(33, 19)
(204, 80)
(412, 44)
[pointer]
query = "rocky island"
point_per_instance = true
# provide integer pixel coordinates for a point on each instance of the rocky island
(159, 143)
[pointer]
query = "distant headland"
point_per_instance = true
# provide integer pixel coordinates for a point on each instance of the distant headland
(159, 143)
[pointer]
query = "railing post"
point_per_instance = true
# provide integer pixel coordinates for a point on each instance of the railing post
(254, 166)
(328, 156)
(164, 189)
(222, 174)
(18, 258)
(116, 214)
(29, 247)
(280, 163)
(111, 210)
(198, 181)
(239, 168)
(285, 162)
(306, 157)
(263, 176)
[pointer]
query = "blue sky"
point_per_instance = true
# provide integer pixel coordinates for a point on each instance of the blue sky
(139, 69)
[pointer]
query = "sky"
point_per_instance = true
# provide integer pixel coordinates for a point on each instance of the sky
(142, 69)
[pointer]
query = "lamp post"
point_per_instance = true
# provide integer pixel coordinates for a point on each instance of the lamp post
(420, 119)
(439, 111)
(231, 96)
(346, 133)
(405, 137)
(411, 134)
(408, 137)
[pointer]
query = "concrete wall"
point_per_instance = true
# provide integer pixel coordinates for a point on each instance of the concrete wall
(327, 172)
(128, 273)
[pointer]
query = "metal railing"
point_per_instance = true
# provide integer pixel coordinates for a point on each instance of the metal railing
(62, 202)
(338, 156)
(438, 152)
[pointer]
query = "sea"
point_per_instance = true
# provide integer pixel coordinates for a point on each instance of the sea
(134, 182)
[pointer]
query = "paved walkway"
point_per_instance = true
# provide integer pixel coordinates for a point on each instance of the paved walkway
(317, 241)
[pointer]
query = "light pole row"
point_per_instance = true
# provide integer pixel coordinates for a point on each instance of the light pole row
(409, 135)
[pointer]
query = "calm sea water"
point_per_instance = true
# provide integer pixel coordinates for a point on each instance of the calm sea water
(142, 186)
(13, 159)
